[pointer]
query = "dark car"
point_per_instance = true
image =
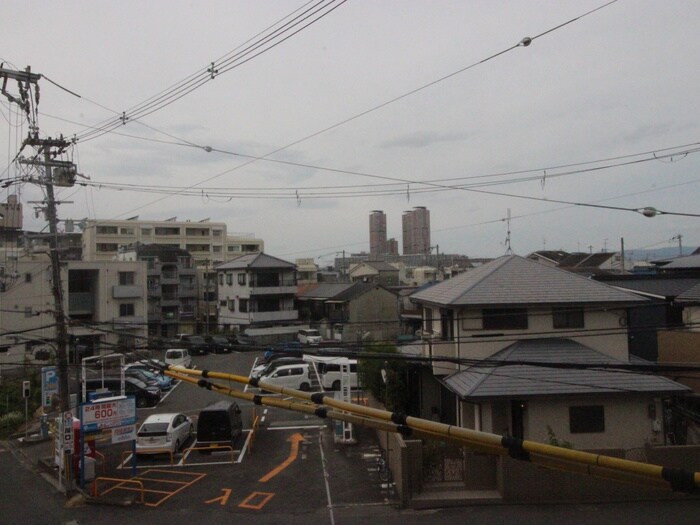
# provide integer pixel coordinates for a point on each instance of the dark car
(146, 396)
(195, 344)
(219, 424)
(219, 344)
(243, 343)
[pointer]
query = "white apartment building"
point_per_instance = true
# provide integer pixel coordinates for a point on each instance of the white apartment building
(206, 241)
(105, 303)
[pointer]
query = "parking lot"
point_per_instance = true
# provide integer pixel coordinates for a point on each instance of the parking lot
(283, 462)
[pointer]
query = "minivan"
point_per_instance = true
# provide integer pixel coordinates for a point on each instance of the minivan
(178, 357)
(307, 336)
(294, 376)
(219, 424)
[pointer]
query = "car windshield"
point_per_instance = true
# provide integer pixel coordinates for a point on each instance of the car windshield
(153, 429)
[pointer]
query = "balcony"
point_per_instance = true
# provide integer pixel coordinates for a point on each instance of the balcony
(130, 322)
(187, 312)
(273, 286)
(187, 290)
(169, 277)
(123, 291)
(154, 313)
(284, 315)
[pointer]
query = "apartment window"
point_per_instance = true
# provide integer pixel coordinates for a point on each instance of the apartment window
(586, 419)
(229, 279)
(126, 231)
(106, 230)
(232, 305)
(216, 249)
(146, 232)
(241, 279)
(107, 247)
(27, 277)
(243, 305)
(567, 317)
(126, 310)
(504, 319)
(216, 233)
(221, 279)
(222, 303)
(126, 278)
(234, 248)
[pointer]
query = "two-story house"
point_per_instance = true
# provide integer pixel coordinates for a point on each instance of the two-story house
(256, 289)
(534, 351)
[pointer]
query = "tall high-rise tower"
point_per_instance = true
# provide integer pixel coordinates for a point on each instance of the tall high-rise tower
(416, 231)
(377, 233)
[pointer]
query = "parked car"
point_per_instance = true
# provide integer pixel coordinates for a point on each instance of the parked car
(308, 336)
(219, 344)
(178, 357)
(197, 345)
(265, 368)
(219, 424)
(162, 433)
(146, 396)
(289, 348)
(164, 382)
(243, 343)
(141, 375)
(294, 376)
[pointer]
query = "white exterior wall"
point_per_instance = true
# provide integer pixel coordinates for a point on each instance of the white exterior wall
(37, 296)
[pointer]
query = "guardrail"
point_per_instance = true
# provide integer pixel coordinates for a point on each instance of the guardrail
(120, 482)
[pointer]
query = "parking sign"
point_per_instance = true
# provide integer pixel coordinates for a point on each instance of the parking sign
(49, 385)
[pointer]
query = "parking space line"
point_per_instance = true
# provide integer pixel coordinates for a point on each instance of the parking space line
(264, 498)
(190, 479)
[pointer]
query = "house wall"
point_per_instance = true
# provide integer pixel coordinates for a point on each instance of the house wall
(680, 346)
(627, 421)
(692, 318)
(376, 312)
(469, 340)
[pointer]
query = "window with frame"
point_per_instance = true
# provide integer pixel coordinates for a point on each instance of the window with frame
(222, 303)
(586, 419)
(567, 317)
(27, 277)
(504, 319)
(146, 232)
(232, 305)
(428, 320)
(126, 278)
(229, 279)
(126, 310)
(243, 305)
(221, 279)
(241, 279)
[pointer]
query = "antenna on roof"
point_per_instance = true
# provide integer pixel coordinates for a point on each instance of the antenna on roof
(509, 250)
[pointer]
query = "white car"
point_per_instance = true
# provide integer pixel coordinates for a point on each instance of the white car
(178, 357)
(307, 336)
(163, 433)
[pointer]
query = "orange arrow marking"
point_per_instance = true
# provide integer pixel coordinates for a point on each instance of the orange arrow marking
(294, 439)
(221, 499)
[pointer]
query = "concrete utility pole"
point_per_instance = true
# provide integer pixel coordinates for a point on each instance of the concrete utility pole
(51, 148)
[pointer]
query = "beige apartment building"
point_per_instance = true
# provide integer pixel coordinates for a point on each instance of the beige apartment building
(205, 241)
(105, 303)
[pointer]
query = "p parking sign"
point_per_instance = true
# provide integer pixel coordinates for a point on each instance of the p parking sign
(49, 385)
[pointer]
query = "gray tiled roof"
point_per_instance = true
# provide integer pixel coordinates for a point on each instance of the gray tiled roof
(514, 280)
(692, 295)
(255, 260)
(655, 286)
(689, 262)
(491, 381)
(325, 291)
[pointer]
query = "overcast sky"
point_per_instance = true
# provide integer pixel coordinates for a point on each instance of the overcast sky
(621, 81)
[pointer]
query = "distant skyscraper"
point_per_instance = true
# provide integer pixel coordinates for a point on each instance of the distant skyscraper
(416, 231)
(377, 233)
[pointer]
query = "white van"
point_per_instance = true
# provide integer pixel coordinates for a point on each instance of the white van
(329, 371)
(307, 336)
(178, 357)
(294, 376)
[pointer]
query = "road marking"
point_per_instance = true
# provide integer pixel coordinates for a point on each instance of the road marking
(325, 478)
(265, 497)
(294, 451)
(221, 499)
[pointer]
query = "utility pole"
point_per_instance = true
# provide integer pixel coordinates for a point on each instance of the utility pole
(64, 176)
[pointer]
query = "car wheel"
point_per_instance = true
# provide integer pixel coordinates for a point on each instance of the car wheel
(304, 387)
(141, 402)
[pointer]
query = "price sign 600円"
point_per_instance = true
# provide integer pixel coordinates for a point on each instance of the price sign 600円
(108, 414)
